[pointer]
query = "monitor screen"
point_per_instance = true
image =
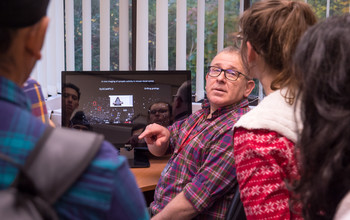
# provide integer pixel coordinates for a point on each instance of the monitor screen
(120, 104)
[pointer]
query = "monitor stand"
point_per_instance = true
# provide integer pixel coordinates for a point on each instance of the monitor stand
(136, 158)
(140, 160)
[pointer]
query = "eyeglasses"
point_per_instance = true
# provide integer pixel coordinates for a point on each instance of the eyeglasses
(160, 111)
(230, 74)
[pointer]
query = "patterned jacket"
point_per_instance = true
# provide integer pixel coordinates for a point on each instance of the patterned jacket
(264, 155)
(106, 190)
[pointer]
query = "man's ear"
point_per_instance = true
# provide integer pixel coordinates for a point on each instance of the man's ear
(178, 102)
(206, 79)
(36, 37)
(249, 88)
(251, 52)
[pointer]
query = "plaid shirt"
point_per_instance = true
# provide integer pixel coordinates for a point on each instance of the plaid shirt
(33, 91)
(204, 169)
(106, 190)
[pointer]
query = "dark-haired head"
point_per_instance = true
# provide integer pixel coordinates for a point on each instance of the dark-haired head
(322, 62)
(72, 86)
(273, 28)
(161, 113)
(23, 26)
(80, 122)
(16, 14)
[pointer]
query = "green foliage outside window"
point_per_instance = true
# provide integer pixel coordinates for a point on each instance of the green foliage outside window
(337, 7)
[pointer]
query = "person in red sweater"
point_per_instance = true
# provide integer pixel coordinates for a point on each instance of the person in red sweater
(264, 138)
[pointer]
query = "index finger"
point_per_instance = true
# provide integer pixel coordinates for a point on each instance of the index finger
(147, 132)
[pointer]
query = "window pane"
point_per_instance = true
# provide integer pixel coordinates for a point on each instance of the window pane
(339, 7)
(211, 31)
(172, 34)
(95, 34)
(191, 37)
(231, 21)
(152, 34)
(114, 46)
(78, 35)
(319, 7)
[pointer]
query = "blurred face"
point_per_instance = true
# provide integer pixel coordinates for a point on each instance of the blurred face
(80, 127)
(71, 101)
(222, 92)
(159, 113)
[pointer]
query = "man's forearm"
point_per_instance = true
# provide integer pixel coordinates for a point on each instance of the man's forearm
(178, 208)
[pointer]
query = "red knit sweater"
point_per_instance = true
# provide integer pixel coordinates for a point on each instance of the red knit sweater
(265, 163)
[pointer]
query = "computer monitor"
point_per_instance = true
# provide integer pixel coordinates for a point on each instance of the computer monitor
(117, 103)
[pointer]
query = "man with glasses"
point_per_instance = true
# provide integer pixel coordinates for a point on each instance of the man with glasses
(197, 181)
(160, 113)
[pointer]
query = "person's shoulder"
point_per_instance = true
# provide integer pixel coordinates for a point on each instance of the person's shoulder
(108, 158)
(108, 151)
(269, 135)
(30, 82)
(97, 183)
(263, 140)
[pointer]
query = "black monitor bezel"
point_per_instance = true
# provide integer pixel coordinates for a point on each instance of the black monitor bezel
(187, 74)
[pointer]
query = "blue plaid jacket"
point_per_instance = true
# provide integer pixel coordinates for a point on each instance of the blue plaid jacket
(106, 190)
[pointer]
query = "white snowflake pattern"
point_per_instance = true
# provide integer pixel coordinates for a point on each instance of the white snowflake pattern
(269, 207)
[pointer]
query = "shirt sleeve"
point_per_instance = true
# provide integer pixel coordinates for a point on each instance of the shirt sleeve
(214, 179)
(33, 91)
(265, 164)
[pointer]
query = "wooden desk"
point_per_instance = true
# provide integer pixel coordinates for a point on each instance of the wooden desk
(147, 178)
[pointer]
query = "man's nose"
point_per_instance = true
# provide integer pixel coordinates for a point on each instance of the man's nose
(70, 99)
(222, 76)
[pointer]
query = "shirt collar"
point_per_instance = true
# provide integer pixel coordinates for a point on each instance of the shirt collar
(206, 107)
(10, 92)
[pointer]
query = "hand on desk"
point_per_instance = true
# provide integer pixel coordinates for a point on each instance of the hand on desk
(157, 139)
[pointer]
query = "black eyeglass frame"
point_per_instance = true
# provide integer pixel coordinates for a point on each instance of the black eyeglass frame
(160, 111)
(225, 71)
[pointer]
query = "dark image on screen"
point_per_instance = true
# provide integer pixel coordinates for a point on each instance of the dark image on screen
(119, 104)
